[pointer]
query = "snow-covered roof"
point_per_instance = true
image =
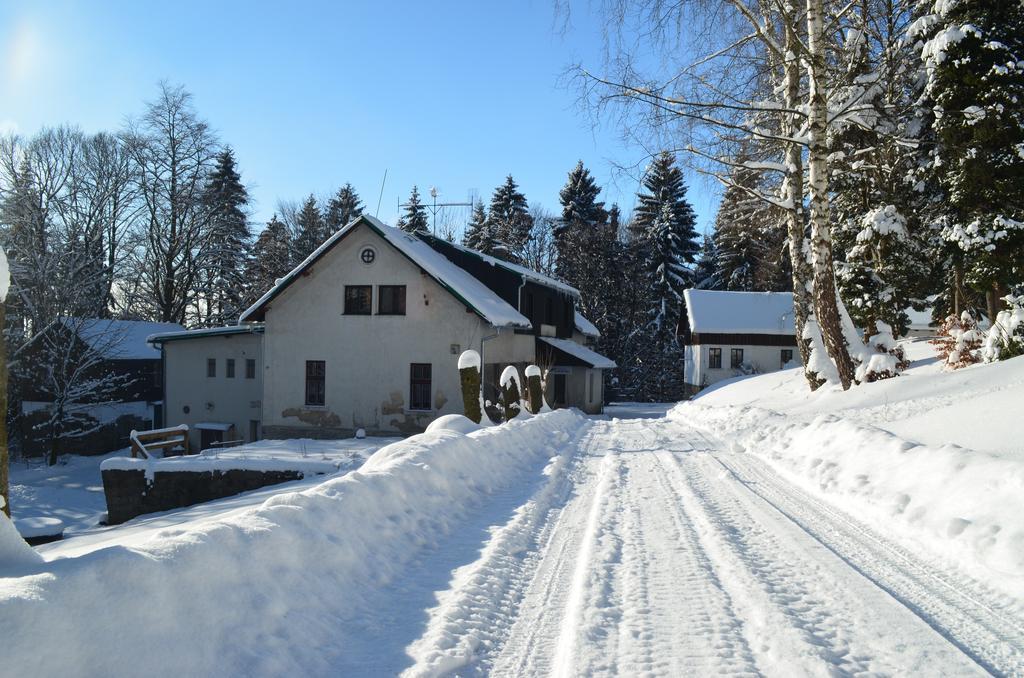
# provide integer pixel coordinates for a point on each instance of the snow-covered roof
(164, 337)
(119, 339)
(526, 273)
(581, 352)
(717, 312)
(460, 283)
(586, 327)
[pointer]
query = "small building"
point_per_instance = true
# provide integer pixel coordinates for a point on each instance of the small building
(213, 382)
(116, 385)
(728, 334)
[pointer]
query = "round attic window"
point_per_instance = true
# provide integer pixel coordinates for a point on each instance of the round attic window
(367, 255)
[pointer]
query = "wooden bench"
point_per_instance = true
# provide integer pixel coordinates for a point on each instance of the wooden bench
(144, 443)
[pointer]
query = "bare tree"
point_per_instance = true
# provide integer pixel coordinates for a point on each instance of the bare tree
(173, 150)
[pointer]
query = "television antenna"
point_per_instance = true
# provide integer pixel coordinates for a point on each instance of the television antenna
(434, 206)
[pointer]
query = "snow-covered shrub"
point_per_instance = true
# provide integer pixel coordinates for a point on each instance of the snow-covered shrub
(534, 389)
(510, 392)
(958, 341)
(888, 358)
(469, 377)
(1005, 339)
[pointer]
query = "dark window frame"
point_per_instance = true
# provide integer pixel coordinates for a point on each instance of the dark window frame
(421, 387)
(250, 368)
(351, 298)
(211, 368)
(229, 368)
(735, 358)
(715, 358)
(316, 383)
(390, 307)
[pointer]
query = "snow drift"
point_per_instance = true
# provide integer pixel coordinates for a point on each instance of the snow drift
(282, 588)
(887, 453)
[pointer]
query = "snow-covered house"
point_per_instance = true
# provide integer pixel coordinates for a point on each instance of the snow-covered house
(98, 378)
(367, 332)
(727, 334)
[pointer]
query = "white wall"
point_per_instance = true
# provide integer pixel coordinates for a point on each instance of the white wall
(368, 357)
(212, 399)
(763, 359)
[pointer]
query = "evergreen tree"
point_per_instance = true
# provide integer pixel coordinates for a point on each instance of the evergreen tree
(415, 217)
(312, 230)
(510, 220)
(479, 234)
(705, 272)
(972, 52)
(342, 208)
(270, 259)
(228, 238)
(582, 230)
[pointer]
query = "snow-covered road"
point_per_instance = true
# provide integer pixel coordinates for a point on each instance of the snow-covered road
(650, 549)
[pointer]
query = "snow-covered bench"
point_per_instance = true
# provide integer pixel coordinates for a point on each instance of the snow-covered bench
(145, 443)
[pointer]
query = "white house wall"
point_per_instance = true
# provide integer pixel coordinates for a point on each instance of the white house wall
(367, 357)
(762, 358)
(219, 399)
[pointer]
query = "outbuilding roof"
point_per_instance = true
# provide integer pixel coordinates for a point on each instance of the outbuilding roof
(718, 312)
(164, 337)
(579, 352)
(463, 286)
(119, 339)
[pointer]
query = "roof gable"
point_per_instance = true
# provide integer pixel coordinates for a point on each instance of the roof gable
(719, 312)
(460, 284)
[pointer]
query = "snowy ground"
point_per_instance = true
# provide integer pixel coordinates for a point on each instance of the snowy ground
(73, 489)
(755, 530)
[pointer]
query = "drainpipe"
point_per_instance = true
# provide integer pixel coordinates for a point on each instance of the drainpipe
(483, 364)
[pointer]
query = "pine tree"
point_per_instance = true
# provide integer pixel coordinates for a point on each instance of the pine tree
(479, 234)
(342, 208)
(415, 217)
(972, 52)
(705, 272)
(312, 230)
(229, 239)
(270, 259)
(579, 234)
(510, 220)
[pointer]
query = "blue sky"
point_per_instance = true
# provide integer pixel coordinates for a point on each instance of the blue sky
(311, 95)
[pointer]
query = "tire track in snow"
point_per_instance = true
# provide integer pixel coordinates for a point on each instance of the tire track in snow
(478, 610)
(956, 609)
(817, 616)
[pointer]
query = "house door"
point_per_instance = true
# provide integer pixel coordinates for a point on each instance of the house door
(560, 390)
(208, 437)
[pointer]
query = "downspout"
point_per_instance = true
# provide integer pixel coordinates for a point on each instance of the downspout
(483, 364)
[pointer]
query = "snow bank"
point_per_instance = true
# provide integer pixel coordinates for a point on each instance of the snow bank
(279, 589)
(456, 423)
(892, 463)
(14, 552)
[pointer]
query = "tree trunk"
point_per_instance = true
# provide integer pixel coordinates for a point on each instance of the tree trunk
(825, 306)
(5, 489)
(793, 190)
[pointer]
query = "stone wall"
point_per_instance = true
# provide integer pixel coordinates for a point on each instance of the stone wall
(129, 494)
